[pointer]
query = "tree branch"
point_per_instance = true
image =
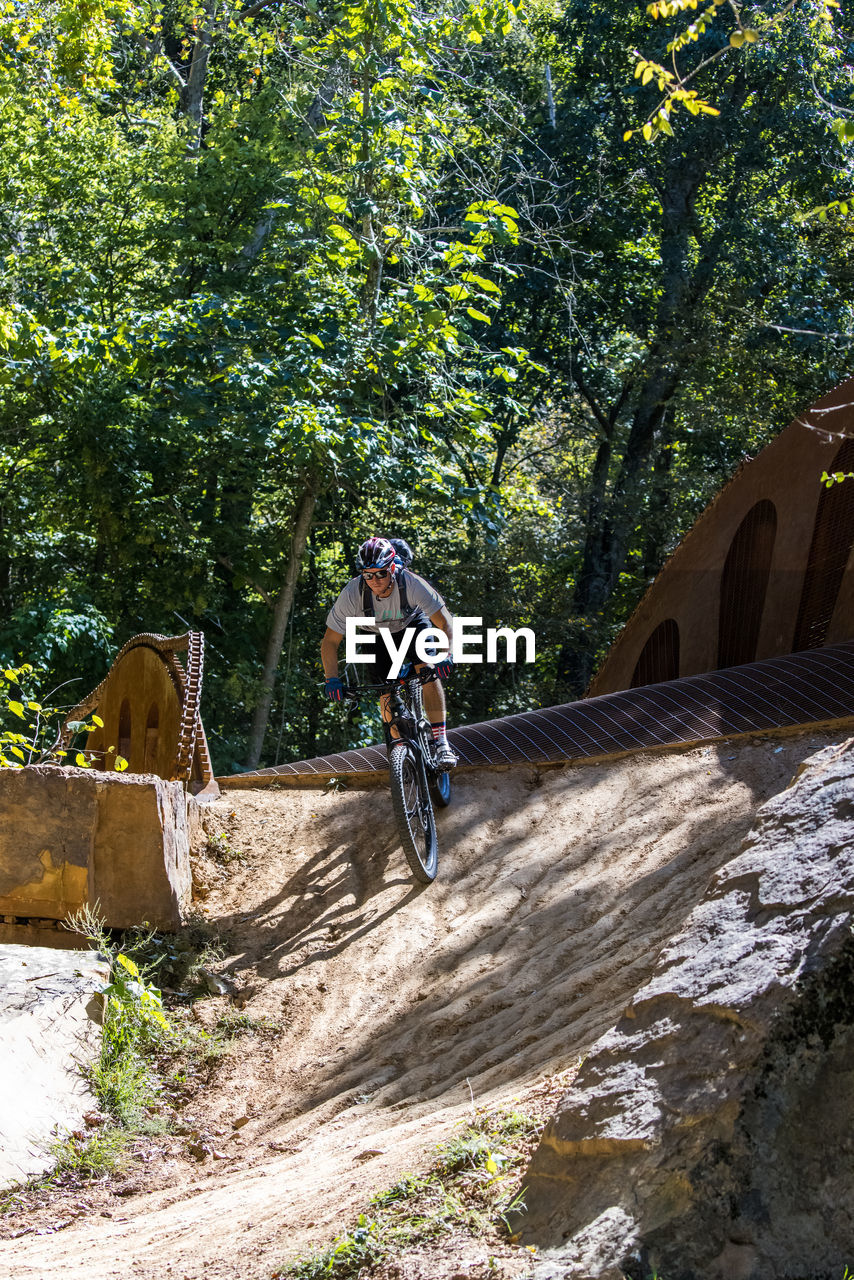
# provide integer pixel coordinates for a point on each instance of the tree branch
(152, 47)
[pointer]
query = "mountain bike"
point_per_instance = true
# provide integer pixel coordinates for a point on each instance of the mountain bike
(415, 781)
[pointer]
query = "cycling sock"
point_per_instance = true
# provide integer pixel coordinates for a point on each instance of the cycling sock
(440, 732)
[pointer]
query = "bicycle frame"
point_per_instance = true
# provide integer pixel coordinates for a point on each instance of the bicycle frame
(406, 711)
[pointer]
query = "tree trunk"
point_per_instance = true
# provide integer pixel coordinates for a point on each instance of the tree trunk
(614, 513)
(5, 571)
(659, 501)
(281, 613)
(610, 528)
(194, 89)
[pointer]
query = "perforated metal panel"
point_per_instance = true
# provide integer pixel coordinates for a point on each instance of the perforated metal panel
(831, 544)
(799, 689)
(659, 658)
(744, 582)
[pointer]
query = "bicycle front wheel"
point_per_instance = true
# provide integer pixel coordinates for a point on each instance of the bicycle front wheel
(413, 811)
(440, 789)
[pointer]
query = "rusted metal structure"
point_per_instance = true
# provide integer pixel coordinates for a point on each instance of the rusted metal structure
(149, 703)
(804, 690)
(766, 570)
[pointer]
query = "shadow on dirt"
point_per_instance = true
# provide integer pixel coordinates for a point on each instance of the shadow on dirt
(330, 902)
(555, 898)
(556, 892)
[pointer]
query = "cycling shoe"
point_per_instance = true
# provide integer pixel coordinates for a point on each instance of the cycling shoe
(446, 757)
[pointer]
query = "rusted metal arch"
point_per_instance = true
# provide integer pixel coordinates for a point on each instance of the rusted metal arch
(797, 690)
(187, 681)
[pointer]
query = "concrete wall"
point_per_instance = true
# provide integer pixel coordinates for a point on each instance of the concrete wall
(688, 590)
(73, 836)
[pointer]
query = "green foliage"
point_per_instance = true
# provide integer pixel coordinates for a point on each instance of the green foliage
(346, 253)
(362, 1247)
(174, 959)
(124, 1077)
(133, 1024)
(221, 850)
(16, 748)
(90, 1157)
(761, 24)
(39, 744)
(216, 300)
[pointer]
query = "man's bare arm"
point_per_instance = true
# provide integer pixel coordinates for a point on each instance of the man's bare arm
(329, 646)
(443, 622)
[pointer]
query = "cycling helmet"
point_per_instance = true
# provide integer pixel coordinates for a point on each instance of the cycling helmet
(377, 553)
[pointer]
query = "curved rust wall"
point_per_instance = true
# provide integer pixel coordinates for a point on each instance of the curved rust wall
(139, 694)
(830, 548)
(768, 567)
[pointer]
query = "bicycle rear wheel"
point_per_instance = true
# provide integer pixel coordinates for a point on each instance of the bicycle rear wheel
(413, 811)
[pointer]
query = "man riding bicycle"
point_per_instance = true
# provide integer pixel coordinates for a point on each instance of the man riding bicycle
(397, 599)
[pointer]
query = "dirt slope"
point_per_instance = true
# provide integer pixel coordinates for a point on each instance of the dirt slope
(403, 1005)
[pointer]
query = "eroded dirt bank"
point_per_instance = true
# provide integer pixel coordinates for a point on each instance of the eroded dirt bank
(401, 1005)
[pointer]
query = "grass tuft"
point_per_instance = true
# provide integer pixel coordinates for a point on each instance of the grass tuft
(471, 1187)
(220, 850)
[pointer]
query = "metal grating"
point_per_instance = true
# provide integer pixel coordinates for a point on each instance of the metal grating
(659, 659)
(832, 539)
(744, 582)
(798, 689)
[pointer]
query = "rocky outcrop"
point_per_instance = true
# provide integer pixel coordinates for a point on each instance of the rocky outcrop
(50, 1015)
(710, 1134)
(73, 836)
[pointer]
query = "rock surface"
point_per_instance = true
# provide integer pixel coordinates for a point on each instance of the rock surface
(50, 1010)
(709, 1134)
(71, 836)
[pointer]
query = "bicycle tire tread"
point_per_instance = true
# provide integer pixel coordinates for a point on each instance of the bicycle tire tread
(423, 864)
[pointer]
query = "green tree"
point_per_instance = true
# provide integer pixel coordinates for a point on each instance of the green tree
(677, 276)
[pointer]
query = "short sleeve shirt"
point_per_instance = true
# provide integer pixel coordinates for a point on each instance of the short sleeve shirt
(388, 613)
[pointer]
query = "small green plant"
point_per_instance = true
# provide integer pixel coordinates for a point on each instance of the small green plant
(234, 1025)
(465, 1190)
(220, 849)
(40, 744)
(149, 1058)
(133, 1022)
(88, 1157)
(16, 747)
(123, 1078)
(175, 960)
(829, 479)
(346, 1259)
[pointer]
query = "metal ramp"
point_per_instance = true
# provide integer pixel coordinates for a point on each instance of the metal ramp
(794, 691)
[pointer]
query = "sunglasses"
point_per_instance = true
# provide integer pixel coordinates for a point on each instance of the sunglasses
(379, 574)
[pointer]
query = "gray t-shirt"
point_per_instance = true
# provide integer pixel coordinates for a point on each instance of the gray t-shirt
(421, 598)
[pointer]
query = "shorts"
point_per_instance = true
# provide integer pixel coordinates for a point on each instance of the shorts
(377, 672)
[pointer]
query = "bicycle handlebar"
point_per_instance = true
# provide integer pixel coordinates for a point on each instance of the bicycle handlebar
(389, 686)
